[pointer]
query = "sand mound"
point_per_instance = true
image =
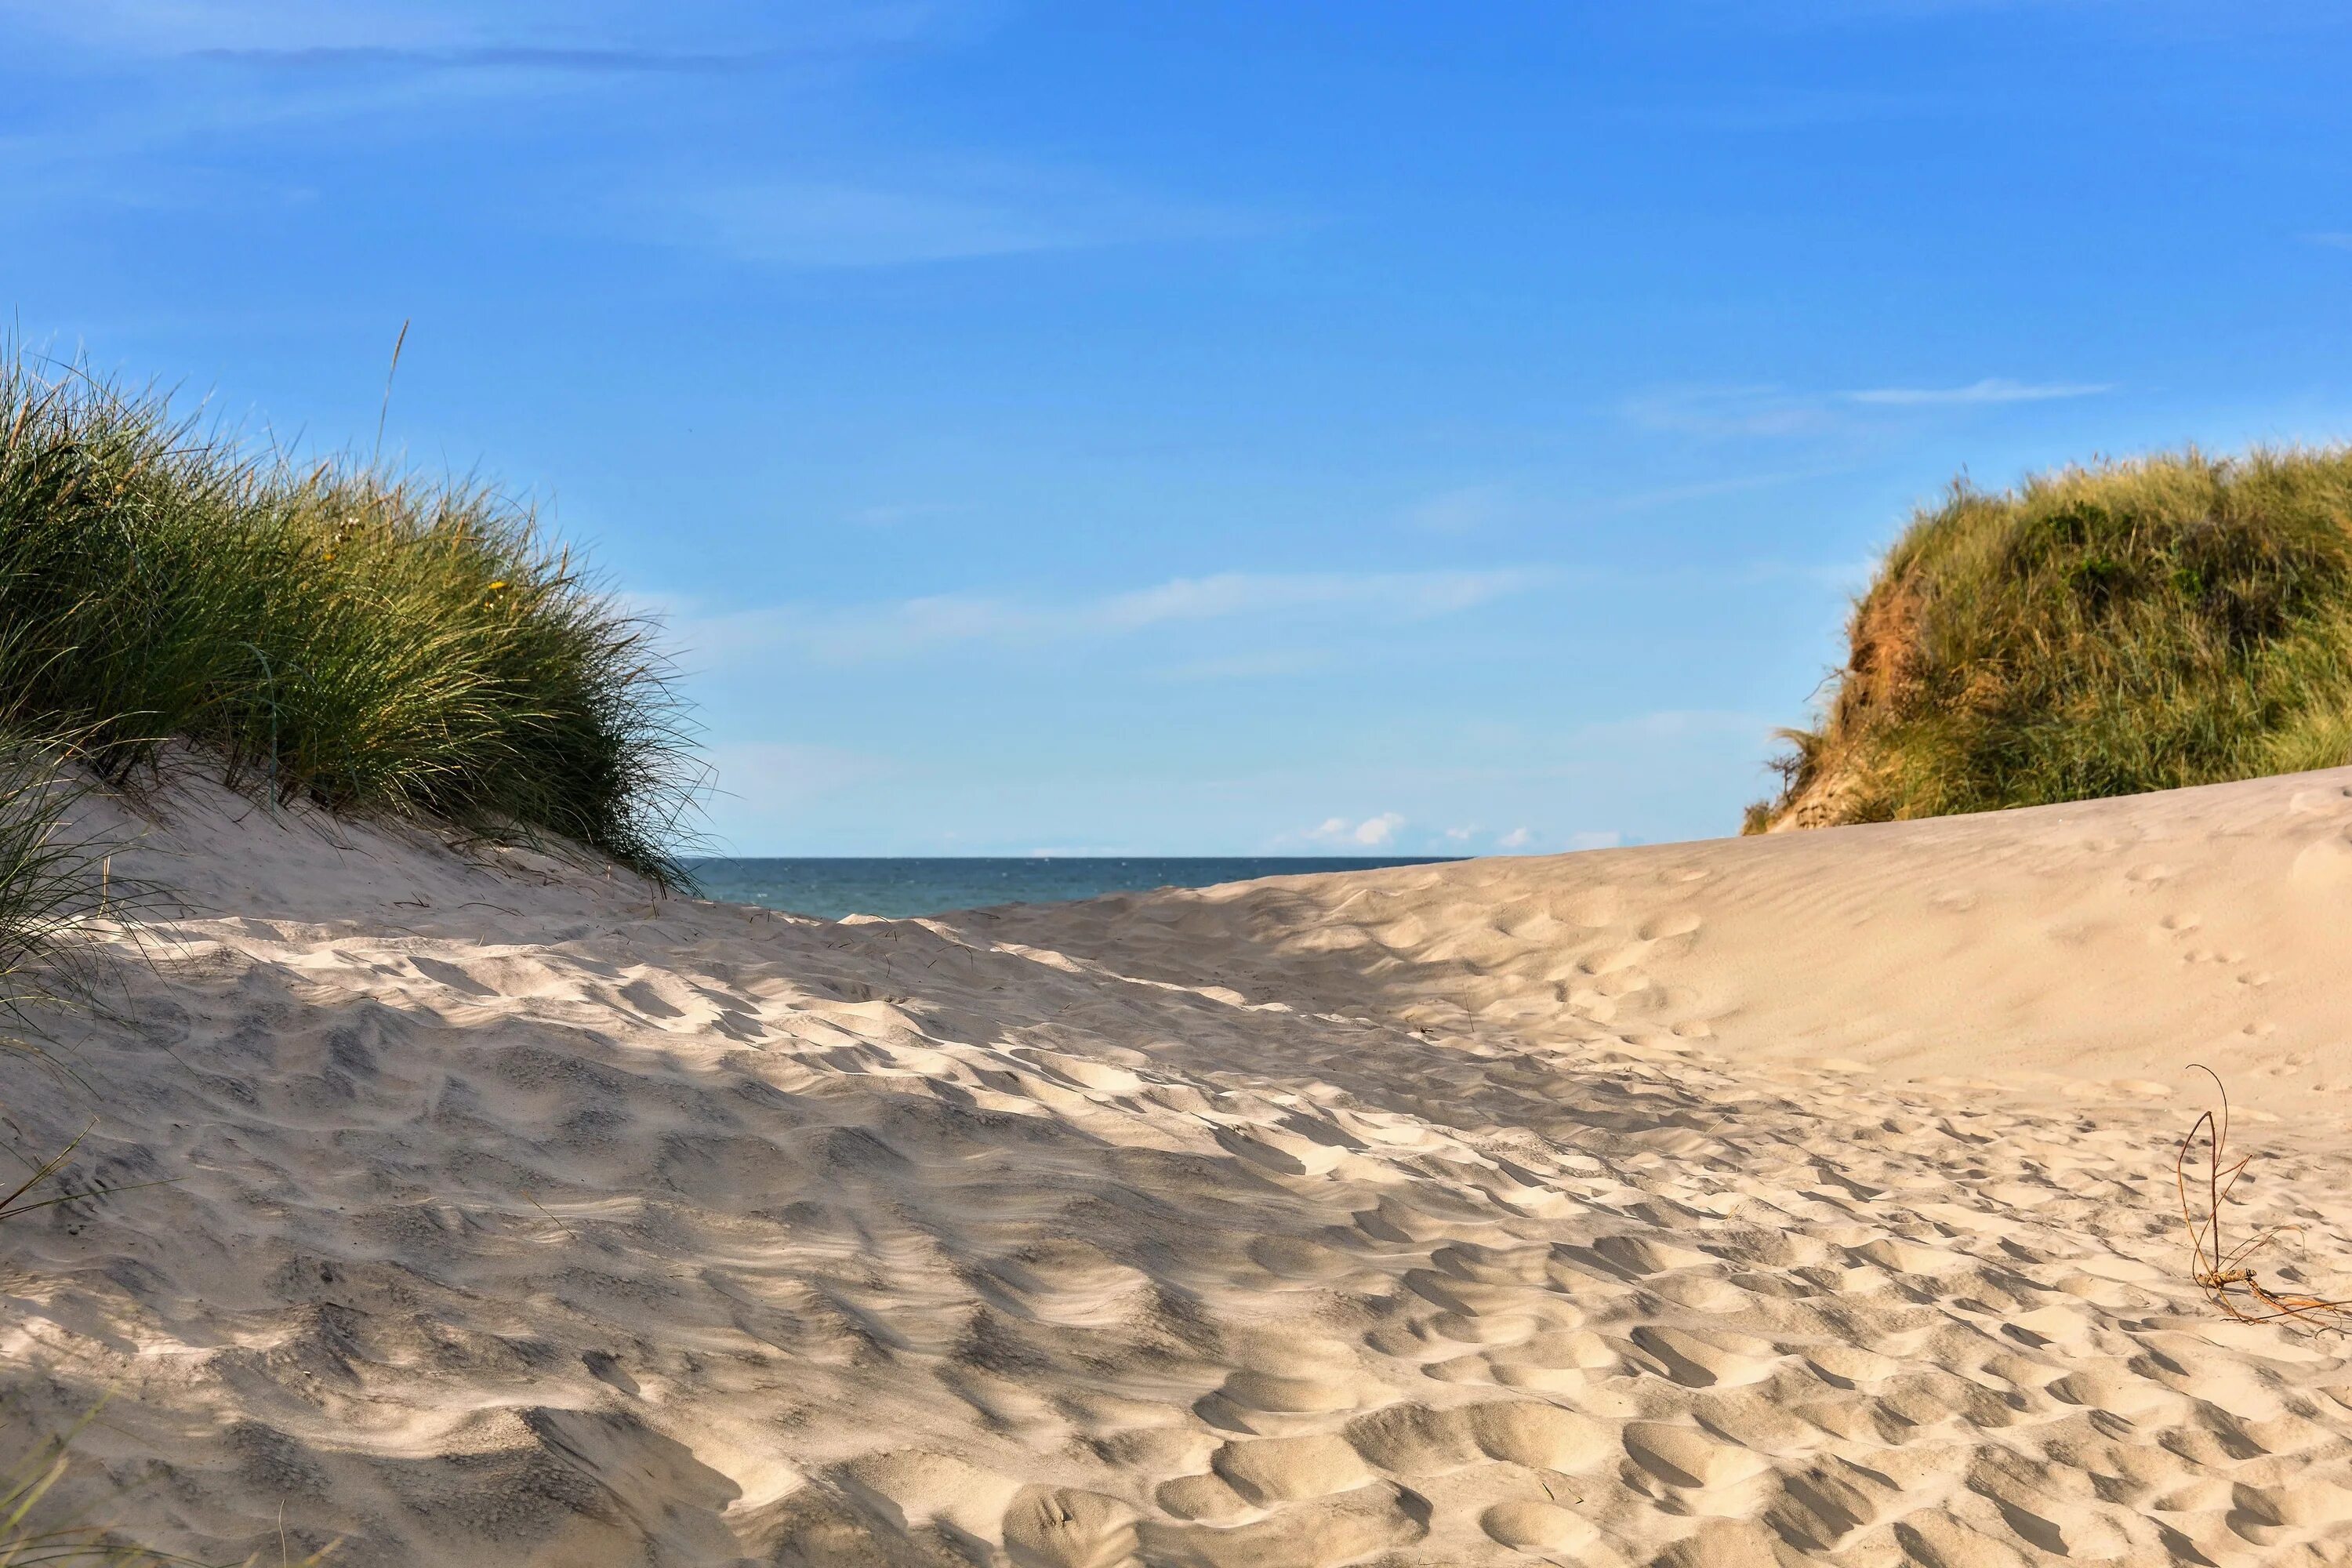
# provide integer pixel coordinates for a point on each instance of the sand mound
(2105, 631)
(1496, 1213)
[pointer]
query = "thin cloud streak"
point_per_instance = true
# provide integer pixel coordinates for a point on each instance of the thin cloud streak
(1993, 389)
(1773, 412)
(1705, 490)
(576, 34)
(513, 56)
(907, 627)
(826, 223)
(1764, 411)
(948, 215)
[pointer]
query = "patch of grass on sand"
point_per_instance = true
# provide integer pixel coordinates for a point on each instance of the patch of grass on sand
(336, 631)
(25, 1539)
(2172, 620)
(52, 880)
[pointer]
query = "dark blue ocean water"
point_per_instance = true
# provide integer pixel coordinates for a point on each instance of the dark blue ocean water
(899, 887)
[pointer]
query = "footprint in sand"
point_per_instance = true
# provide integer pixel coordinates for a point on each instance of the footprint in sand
(1552, 1362)
(1069, 1282)
(648, 999)
(1533, 1526)
(441, 971)
(1268, 1470)
(1273, 1405)
(1356, 1526)
(1716, 1361)
(1688, 1457)
(1299, 1259)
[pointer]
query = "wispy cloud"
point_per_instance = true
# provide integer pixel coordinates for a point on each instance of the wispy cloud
(1993, 389)
(1757, 110)
(945, 215)
(493, 57)
(1275, 664)
(461, 34)
(770, 777)
(1413, 594)
(1775, 412)
(818, 223)
(1766, 411)
(2334, 241)
(891, 516)
(1707, 490)
(1462, 511)
(1669, 724)
(820, 188)
(906, 627)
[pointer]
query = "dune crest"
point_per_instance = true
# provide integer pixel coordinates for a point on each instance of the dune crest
(1792, 1200)
(2087, 952)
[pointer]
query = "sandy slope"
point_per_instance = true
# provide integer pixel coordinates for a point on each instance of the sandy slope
(1506, 1212)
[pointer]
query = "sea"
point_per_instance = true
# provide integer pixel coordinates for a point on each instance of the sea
(897, 889)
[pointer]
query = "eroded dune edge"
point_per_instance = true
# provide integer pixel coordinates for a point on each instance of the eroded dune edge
(1800, 1200)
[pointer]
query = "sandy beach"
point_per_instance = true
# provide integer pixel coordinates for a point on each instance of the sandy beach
(1798, 1199)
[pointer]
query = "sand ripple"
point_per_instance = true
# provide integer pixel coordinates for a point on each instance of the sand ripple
(593, 1233)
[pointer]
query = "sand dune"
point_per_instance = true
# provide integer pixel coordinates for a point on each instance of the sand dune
(1797, 1200)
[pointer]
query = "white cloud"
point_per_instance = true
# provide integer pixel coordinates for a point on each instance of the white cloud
(1371, 833)
(1462, 511)
(1707, 490)
(1273, 665)
(904, 627)
(847, 223)
(907, 209)
(173, 27)
(1993, 389)
(1595, 840)
(1415, 594)
(765, 778)
(1767, 411)
(1768, 108)
(1517, 838)
(891, 516)
(305, 32)
(1777, 412)
(1674, 723)
(375, 68)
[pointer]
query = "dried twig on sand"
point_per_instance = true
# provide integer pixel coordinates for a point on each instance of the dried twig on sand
(2222, 1274)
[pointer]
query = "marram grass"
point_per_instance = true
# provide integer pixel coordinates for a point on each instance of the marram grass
(53, 881)
(334, 632)
(2169, 621)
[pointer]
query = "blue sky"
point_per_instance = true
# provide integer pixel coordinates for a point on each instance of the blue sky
(1203, 427)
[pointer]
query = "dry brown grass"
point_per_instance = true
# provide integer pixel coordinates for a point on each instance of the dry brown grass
(2222, 1273)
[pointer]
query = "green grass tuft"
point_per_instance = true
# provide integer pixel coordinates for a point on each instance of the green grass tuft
(53, 880)
(334, 632)
(2138, 625)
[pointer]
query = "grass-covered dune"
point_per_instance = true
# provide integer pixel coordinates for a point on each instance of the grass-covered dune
(331, 631)
(2138, 625)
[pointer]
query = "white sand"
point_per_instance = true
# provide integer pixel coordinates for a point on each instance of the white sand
(1797, 1200)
